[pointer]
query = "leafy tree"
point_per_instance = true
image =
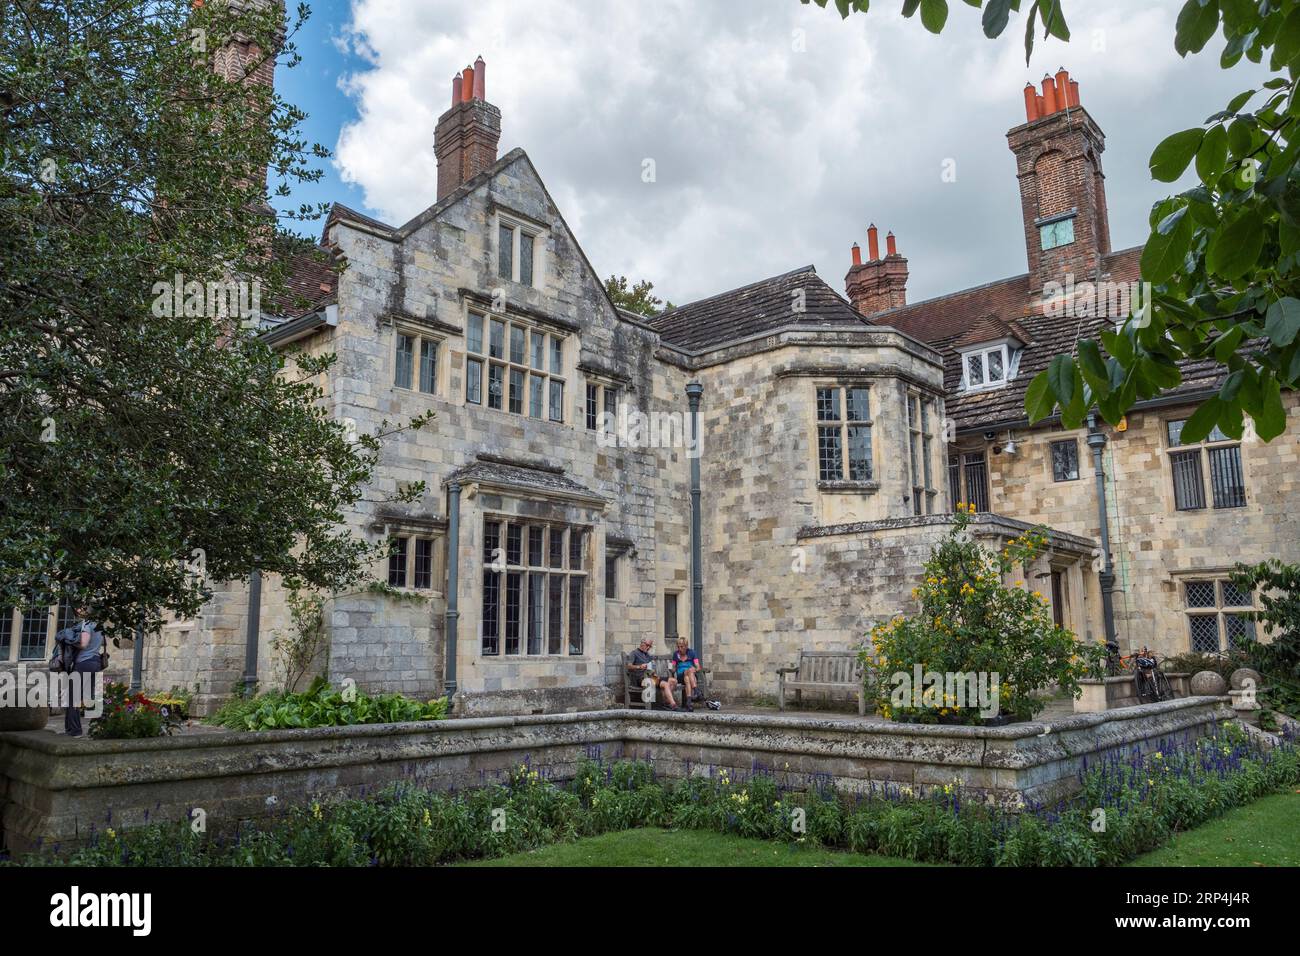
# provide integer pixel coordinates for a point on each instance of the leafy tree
(145, 451)
(1223, 257)
(637, 298)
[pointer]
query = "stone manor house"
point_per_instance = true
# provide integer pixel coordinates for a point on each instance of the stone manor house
(833, 437)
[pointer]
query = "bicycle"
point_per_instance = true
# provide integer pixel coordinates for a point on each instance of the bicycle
(1149, 681)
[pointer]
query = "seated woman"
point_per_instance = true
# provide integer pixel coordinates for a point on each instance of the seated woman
(686, 664)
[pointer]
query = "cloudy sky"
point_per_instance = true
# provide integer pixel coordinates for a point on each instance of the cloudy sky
(777, 130)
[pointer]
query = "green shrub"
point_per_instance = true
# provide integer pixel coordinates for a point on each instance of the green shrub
(1278, 660)
(323, 706)
(971, 622)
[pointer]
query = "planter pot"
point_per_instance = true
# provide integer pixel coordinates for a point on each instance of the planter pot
(23, 718)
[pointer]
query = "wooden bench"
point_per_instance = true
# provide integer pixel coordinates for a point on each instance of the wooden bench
(632, 683)
(824, 671)
(632, 686)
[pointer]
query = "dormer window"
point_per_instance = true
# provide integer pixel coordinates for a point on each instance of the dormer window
(988, 366)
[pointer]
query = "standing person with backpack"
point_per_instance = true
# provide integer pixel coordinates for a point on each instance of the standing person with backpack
(81, 650)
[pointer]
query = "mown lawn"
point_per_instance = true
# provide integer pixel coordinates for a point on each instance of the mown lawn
(1264, 833)
(674, 848)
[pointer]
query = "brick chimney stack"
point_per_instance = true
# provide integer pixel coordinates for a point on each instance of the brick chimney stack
(1062, 188)
(877, 284)
(465, 139)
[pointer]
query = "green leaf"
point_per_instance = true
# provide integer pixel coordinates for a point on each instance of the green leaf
(1212, 155)
(1271, 421)
(1170, 158)
(934, 14)
(1093, 367)
(1166, 250)
(1196, 25)
(1060, 376)
(1039, 402)
(1118, 345)
(1202, 422)
(1282, 321)
(1236, 246)
(1054, 20)
(996, 15)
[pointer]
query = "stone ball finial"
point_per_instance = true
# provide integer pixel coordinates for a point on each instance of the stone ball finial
(1208, 684)
(1242, 674)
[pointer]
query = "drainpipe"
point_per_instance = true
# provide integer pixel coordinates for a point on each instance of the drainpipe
(137, 661)
(254, 629)
(1097, 442)
(693, 392)
(453, 577)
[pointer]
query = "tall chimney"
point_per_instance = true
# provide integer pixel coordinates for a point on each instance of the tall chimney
(466, 137)
(879, 284)
(1062, 188)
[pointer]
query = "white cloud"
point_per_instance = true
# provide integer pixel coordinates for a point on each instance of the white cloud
(768, 157)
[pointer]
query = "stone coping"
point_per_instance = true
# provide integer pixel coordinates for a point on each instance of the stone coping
(55, 745)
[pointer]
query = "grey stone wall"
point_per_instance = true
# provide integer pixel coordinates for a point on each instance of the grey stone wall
(57, 791)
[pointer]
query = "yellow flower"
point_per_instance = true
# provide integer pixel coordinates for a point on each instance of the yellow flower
(112, 834)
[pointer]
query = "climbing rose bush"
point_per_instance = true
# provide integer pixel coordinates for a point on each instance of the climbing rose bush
(971, 620)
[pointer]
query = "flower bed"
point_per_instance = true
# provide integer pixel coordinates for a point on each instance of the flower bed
(1128, 805)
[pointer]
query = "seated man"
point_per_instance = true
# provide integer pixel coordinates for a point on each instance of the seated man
(643, 666)
(686, 665)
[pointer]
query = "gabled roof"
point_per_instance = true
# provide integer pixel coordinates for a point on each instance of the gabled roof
(763, 306)
(1007, 308)
(312, 281)
(530, 477)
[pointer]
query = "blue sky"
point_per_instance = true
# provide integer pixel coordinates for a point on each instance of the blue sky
(313, 86)
(778, 131)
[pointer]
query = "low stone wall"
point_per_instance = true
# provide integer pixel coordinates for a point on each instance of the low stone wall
(1111, 693)
(58, 791)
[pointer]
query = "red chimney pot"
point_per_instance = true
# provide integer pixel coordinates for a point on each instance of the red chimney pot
(467, 84)
(455, 91)
(873, 243)
(1049, 96)
(890, 245)
(1031, 103)
(857, 254)
(480, 79)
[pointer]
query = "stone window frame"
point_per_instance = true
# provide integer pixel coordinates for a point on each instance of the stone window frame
(921, 445)
(1205, 454)
(676, 594)
(1008, 356)
(420, 337)
(1226, 614)
(528, 371)
(960, 463)
(597, 398)
(13, 627)
(1051, 459)
(410, 566)
(842, 423)
(520, 228)
(499, 568)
